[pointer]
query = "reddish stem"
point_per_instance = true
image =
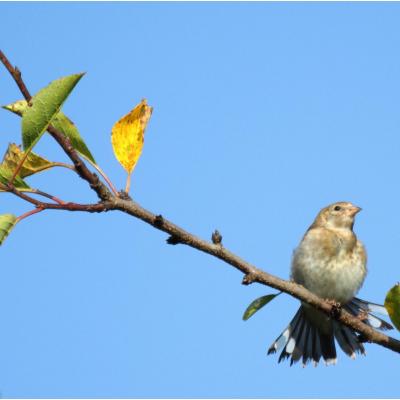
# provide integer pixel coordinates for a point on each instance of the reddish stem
(49, 196)
(29, 213)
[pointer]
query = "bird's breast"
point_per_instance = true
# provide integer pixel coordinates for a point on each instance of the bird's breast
(331, 272)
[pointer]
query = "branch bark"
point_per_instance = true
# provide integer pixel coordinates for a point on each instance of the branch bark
(180, 236)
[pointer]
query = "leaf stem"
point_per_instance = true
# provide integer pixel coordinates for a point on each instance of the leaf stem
(128, 183)
(53, 164)
(64, 165)
(29, 213)
(102, 173)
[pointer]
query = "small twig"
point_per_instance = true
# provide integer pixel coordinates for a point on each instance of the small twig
(22, 195)
(97, 207)
(49, 196)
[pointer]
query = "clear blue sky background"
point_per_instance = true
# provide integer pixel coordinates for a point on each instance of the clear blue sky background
(263, 114)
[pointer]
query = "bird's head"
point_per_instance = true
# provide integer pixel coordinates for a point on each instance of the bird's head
(337, 216)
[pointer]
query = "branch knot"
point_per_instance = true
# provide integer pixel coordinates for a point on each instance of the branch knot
(248, 279)
(174, 240)
(158, 221)
(216, 238)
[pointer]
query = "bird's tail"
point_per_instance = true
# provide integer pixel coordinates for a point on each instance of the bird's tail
(303, 339)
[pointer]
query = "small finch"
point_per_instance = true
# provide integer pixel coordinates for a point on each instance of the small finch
(330, 262)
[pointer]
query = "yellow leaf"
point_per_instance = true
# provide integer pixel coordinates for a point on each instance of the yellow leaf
(32, 164)
(127, 135)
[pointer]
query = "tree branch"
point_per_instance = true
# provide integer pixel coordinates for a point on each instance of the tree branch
(254, 274)
(180, 236)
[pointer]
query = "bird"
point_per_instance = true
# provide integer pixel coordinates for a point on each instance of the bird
(331, 263)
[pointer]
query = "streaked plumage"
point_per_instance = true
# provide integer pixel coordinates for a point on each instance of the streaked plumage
(331, 262)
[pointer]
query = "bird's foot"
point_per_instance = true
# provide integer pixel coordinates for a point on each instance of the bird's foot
(336, 308)
(362, 315)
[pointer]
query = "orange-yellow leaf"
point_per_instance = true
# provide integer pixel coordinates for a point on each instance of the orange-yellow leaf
(127, 135)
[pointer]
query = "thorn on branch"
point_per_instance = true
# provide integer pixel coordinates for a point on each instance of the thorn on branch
(173, 240)
(248, 279)
(216, 237)
(158, 221)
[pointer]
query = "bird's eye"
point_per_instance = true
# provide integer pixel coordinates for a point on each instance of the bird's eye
(337, 208)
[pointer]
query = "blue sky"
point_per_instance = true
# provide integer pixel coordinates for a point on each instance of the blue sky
(263, 114)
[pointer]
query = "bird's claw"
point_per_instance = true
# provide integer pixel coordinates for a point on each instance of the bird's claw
(362, 316)
(336, 308)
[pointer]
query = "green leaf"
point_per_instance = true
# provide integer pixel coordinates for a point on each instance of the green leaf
(43, 107)
(7, 223)
(62, 123)
(6, 175)
(257, 304)
(392, 305)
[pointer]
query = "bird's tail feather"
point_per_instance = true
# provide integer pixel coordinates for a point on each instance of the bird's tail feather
(348, 340)
(302, 340)
(357, 306)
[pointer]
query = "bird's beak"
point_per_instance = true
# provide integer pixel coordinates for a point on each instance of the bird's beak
(354, 210)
